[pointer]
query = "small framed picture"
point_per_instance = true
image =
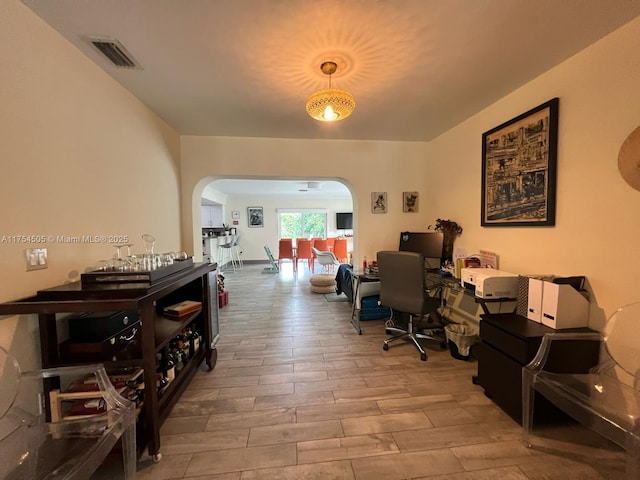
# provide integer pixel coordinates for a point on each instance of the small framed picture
(235, 214)
(410, 202)
(378, 202)
(255, 217)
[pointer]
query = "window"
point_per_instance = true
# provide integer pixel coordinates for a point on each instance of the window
(299, 223)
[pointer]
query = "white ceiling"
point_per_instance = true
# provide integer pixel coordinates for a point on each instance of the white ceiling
(302, 189)
(246, 67)
(415, 67)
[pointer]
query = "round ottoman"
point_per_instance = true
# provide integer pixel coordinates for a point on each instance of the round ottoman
(323, 283)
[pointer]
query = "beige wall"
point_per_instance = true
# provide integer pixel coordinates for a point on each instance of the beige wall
(597, 228)
(595, 233)
(364, 166)
(79, 156)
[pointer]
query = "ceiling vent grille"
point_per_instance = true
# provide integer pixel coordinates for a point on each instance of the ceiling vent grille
(115, 52)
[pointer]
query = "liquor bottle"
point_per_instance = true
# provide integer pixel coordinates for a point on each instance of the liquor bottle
(183, 342)
(169, 367)
(162, 383)
(177, 355)
(191, 336)
(196, 338)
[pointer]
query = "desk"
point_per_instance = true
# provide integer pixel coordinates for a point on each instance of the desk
(358, 278)
(435, 279)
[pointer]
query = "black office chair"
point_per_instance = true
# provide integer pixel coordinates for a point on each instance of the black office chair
(403, 288)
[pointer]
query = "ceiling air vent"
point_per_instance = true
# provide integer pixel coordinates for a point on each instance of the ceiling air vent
(115, 52)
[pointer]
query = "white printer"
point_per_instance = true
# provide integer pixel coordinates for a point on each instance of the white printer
(489, 283)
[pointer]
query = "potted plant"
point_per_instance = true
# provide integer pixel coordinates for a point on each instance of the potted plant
(450, 230)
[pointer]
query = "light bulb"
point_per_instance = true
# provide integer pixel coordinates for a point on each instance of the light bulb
(329, 114)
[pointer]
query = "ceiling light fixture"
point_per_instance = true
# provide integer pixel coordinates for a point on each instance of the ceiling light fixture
(331, 104)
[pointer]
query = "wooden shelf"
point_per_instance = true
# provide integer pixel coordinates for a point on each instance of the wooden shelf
(198, 282)
(178, 386)
(167, 328)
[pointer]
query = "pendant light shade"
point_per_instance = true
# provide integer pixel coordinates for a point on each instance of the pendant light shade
(331, 104)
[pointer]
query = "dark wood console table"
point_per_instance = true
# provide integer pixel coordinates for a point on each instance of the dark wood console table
(507, 343)
(196, 282)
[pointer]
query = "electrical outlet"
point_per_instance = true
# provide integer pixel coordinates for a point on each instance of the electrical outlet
(36, 258)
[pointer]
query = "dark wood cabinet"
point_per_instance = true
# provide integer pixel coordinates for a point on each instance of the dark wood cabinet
(507, 343)
(196, 282)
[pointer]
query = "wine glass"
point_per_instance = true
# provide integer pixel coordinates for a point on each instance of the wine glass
(130, 259)
(118, 255)
(104, 265)
(149, 242)
(167, 258)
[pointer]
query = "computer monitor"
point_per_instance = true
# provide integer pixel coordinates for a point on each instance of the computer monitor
(429, 244)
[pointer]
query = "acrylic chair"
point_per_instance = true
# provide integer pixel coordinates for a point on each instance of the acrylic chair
(403, 288)
(340, 250)
(285, 252)
(303, 252)
(607, 398)
(42, 436)
(327, 259)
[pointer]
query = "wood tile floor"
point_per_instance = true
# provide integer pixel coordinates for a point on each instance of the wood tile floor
(298, 394)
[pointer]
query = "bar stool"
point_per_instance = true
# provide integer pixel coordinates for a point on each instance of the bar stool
(235, 251)
(225, 253)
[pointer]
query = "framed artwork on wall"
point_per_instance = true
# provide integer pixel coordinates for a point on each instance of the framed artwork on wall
(378, 202)
(255, 217)
(519, 161)
(410, 202)
(235, 214)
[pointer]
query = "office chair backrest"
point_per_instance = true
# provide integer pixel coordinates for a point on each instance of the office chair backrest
(402, 282)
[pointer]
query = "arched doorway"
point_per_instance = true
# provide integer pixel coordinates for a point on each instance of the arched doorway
(231, 197)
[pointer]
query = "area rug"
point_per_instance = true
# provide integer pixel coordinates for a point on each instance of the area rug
(332, 297)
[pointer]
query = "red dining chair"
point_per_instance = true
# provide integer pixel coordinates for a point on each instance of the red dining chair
(330, 243)
(321, 244)
(340, 250)
(285, 252)
(303, 252)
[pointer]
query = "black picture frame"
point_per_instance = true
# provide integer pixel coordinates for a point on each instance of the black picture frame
(519, 163)
(255, 217)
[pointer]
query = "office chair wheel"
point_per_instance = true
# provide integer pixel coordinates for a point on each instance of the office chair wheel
(385, 347)
(423, 357)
